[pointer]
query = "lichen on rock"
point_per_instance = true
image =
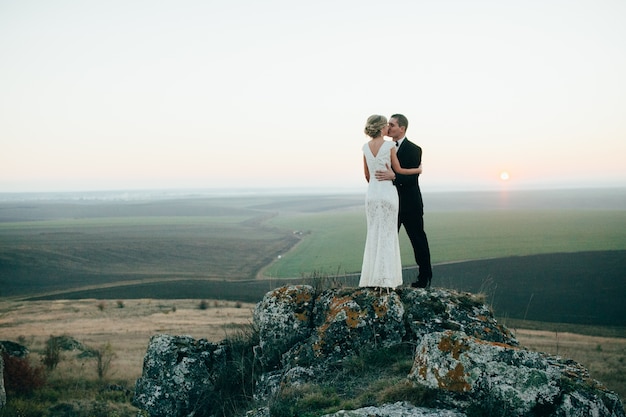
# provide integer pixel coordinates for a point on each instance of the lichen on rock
(472, 371)
(461, 353)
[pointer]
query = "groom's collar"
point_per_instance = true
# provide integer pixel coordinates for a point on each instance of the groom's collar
(399, 142)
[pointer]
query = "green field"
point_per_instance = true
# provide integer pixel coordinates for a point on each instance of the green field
(241, 247)
(334, 241)
(545, 261)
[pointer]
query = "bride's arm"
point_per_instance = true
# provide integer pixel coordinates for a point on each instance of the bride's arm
(395, 164)
(366, 169)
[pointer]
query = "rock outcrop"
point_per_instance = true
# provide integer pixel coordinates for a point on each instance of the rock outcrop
(399, 409)
(13, 349)
(463, 358)
(8, 348)
(508, 380)
(177, 375)
(3, 394)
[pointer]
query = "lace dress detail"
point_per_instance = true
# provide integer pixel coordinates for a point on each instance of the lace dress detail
(382, 266)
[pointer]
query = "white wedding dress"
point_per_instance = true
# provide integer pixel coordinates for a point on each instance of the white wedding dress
(382, 266)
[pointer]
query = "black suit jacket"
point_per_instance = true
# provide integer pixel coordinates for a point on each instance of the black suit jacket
(409, 156)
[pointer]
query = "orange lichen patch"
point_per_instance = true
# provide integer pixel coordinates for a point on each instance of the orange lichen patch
(322, 329)
(454, 347)
(380, 309)
(421, 364)
(482, 318)
(303, 297)
(288, 293)
(339, 306)
(317, 348)
(499, 344)
(338, 302)
(352, 316)
(319, 344)
(454, 379)
(302, 316)
(279, 292)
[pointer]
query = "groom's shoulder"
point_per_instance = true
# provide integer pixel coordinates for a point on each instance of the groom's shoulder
(412, 144)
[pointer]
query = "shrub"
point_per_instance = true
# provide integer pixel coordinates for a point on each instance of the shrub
(20, 377)
(104, 356)
(52, 353)
(204, 304)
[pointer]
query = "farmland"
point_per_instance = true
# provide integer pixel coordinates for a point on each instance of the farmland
(540, 256)
(115, 272)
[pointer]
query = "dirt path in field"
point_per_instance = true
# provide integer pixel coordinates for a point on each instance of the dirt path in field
(128, 283)
(260, 274)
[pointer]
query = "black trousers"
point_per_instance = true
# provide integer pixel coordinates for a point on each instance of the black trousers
(414, 226)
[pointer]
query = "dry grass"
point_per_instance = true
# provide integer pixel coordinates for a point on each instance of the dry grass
(127, 329)
(604, 357)
(128, 325)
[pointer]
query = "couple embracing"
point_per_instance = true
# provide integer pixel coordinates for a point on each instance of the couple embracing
(393, 199)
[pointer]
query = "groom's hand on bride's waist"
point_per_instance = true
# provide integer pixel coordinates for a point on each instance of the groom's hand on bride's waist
(387, 175)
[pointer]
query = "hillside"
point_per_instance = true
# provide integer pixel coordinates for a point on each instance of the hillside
(542, 255)
(579, 288)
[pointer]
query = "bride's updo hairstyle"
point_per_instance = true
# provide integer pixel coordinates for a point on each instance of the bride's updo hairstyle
(374, 125)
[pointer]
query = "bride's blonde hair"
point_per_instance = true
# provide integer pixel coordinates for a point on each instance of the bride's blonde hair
(374, 125)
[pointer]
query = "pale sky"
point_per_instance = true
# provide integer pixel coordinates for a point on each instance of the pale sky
(126, 94)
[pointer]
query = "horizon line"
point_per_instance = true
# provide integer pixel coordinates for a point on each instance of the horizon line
(243, 191)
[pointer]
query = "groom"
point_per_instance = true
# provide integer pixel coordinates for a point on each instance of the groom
(411, 213)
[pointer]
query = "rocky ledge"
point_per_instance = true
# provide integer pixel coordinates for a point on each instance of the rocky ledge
(465, 361)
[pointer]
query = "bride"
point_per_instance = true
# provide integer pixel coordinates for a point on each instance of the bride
(382, 266)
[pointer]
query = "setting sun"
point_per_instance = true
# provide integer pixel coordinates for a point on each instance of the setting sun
(504, 176)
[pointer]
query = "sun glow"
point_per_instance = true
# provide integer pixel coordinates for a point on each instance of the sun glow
(504, 176)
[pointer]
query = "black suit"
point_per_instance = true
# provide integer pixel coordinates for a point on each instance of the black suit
(411, 213)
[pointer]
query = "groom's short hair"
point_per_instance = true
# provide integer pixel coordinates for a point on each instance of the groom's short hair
(402, 120)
